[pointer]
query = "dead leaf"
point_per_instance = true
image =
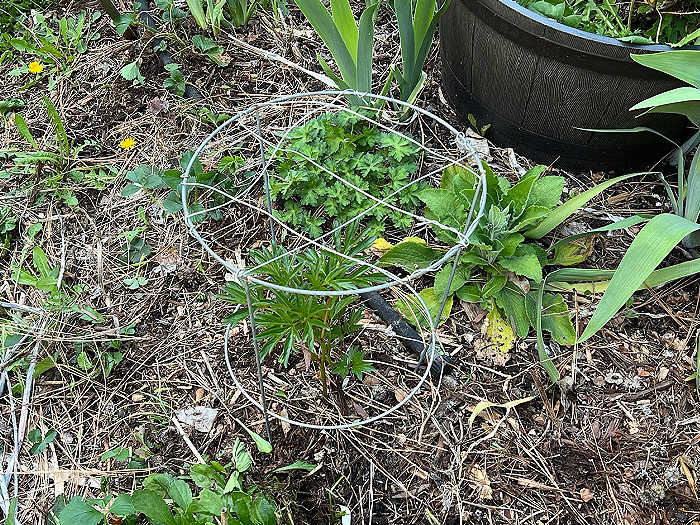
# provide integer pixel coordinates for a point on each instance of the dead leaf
(400, 395)
(643, 373)
(688, 475)
(201, 418)
(663, 373)
(482, 483)
(136, 398)
(360, 411)
(307, 358)
(198, 395)
(586, 494)
(286, 427)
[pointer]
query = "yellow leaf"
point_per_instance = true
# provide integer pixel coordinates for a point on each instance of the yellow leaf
(380, 244)
(499, 332)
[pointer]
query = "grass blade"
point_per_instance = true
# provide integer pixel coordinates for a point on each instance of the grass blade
(59, 130)
(653, 243)
(560, 214)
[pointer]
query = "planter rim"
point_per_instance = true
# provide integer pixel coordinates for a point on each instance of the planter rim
(600, 39)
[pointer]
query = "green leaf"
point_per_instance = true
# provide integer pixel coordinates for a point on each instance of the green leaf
(409, 255)
(461, 277)
(682, 64)
(345, 23)
(198, 12)
(122, 506)
(209, 502)
(23, 129)
(180, 493)
(561, 213)
(493, 286)
(469, 293)
(79, 512)
(683, 100)
(321, 20)
(512, 302)
(262, 444)
(555, 316)
(365, 48)
(651, 246)
(41, 263)
(445, 206)
(546, 191)
(153, 506)
(297, 465)
(414, 312)
(123, 21)
(526, 265)
(262, 512)
(131, 72)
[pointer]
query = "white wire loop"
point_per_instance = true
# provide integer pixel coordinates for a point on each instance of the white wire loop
(325, 101)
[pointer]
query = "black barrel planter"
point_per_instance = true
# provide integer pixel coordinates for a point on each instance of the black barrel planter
(536, 80)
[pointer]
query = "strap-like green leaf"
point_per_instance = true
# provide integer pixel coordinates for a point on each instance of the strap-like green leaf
(322, 22)
(23, 129)
(652, 244)
(561, 213)
(345, 22)
(619, 225)
(692, 200)
(425, 9)
(365, 48)
(682, 64)
(408, 47)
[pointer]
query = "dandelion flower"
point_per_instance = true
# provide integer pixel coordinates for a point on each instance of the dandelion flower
(35, 67)
(127, 143)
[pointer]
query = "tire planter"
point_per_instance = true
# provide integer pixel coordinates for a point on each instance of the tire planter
(536, 80)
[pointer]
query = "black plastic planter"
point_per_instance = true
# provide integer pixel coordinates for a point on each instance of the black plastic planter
(536, 80)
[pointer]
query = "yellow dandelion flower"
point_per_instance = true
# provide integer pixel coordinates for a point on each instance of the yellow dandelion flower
(35, 67)
(127, 143)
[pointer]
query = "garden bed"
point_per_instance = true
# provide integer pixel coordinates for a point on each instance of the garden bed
(620, 446)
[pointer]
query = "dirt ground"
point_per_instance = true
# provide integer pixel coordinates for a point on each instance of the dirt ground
(619, 446)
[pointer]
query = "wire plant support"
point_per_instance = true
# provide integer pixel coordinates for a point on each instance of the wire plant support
(261, 131)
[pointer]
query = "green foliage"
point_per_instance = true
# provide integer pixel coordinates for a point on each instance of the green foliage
(175, 83)
(508, 269)
(240, 11)
(39, 442)
(166, 500)
(60, 298)
(56, 43)
(320, 325)
(641, 24)
(416, 32)
(148, 179)
(207, 47)
(351, 46)
(8, 223)
(378, 163)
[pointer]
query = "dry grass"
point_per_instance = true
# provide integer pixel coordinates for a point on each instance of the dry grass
(609, 451)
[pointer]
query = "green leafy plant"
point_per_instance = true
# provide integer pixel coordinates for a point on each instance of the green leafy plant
(56, 47)
(175, 83)
(641, 22)
(40, 442)
(54, 163)
(499, 270)
(59, 298)
(321, 326)
(167, 500)
(240, 11)
(8, 223)
(350, 45)
(148, 179)
(207, 47)
(380, 164)
(416, 31)
(208, 15)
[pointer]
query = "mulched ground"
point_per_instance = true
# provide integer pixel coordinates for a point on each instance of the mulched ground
(619, 446)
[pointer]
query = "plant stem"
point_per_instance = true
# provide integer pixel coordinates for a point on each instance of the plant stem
(629, 16)
(323, 344)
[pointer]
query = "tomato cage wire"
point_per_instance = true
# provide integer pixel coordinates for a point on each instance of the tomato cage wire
(295, 110)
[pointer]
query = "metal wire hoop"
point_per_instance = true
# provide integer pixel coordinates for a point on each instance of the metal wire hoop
(246, 276)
